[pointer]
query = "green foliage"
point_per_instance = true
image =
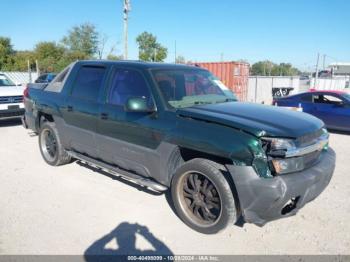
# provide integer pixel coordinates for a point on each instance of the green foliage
(6, 52)
(81, 43)
(114, 57)
(267, 68)
(68, 58)
(20, 61)
(83, 38)
(180, 60)
(150, 49)
(49, 54)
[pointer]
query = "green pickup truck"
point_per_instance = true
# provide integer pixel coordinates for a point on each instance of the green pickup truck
(179, 129)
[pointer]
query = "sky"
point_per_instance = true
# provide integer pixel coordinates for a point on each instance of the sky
(204, 30)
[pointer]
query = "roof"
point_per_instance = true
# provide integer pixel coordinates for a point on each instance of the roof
(340, 64)
(139, 64)
(338, 92)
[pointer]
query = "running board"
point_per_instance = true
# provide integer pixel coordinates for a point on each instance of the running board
(139, 180)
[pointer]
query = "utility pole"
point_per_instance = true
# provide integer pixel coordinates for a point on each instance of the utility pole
(126, 10)
(37, 68)
(316, 75)
(155, 55)
(175, 53)
(29, 72)
(324, 62)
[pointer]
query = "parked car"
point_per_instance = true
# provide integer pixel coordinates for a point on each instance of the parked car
(11, 98)
(281, 91)
(304, 77)
(45, 78)
(323, 74)
(332, 107)
(178, 128)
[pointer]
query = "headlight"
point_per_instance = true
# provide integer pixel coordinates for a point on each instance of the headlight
(276, 144)
(288, 165)
(276, 149)
(283, 155)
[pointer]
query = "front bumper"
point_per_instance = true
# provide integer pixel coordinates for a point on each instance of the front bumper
(11, 113)
(266, 199)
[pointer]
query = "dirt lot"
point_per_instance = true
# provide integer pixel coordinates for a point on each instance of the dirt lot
(64, 210)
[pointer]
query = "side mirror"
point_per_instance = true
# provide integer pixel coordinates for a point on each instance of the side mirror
(138, 105)
(342, 104)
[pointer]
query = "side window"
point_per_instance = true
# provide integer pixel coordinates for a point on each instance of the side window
(331, 100)
(126, 84)
(88, 82)
(317, 98)
(306, 98)
(42, 78)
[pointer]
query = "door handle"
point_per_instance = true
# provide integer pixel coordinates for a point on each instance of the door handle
(69, 108)
(104, 116)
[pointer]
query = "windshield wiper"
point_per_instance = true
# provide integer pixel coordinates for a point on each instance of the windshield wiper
(202, 102)
(226, 100)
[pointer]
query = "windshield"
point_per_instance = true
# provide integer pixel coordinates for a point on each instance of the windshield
(4, 81)
(189, 87)
(347, 97)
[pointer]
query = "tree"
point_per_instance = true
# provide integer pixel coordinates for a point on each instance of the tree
(67, 58)
(20, 61)
(150, 49)
(114, 57)
(180, 60)
(6, 52)
(267, 68)
(48, 54)
(83, 38)
(262, 68)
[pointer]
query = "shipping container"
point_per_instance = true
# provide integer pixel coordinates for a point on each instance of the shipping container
(233, 74)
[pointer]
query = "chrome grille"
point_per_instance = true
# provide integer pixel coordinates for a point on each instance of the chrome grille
(309, 139)
(11, 99)
(311, 159)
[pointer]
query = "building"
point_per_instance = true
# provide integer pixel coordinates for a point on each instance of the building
(340, 69)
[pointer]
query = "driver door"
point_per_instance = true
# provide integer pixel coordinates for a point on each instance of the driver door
(333, 110)
(127, 139)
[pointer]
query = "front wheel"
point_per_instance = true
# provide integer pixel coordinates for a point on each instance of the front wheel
(202, 196)
(50, 146)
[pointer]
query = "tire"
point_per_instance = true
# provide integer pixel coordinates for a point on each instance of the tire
(207, 207)
(50, 145)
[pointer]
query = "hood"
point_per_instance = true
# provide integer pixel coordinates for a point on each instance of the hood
(11, 90)
(259, 120)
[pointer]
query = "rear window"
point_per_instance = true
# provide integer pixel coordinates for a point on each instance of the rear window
(88, 82)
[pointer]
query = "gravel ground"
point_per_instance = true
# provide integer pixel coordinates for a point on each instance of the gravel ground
(64, 210)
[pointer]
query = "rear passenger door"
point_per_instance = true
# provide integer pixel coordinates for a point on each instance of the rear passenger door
(305, 101)
(81, 109)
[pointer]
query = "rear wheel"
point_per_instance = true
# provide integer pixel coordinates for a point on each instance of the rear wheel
(202, 196)
(50, 145)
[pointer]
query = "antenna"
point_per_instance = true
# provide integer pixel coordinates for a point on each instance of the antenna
(126, 10)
